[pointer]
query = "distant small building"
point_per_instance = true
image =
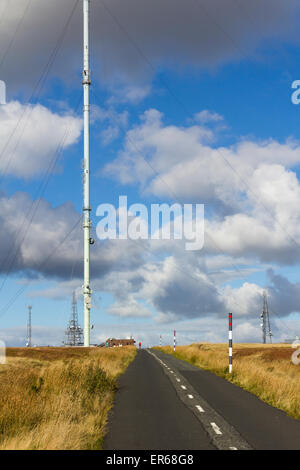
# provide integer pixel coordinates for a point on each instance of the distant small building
(113, 342)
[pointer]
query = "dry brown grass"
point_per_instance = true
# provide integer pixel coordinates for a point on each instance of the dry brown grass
(265, 370)
(58, 398)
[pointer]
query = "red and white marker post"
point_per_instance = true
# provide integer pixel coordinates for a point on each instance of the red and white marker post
(230, 342)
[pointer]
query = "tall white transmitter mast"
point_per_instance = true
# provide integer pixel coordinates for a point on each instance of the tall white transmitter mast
(86, 172)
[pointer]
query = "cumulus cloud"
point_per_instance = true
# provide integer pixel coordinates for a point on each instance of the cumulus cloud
(57, 291)
(31, 136)
(181, 161)
(129, 94)
(270, 229)
(179, 286)
(176, 294)
(206, 116)
(129, 308)
(285, 295)
(142, 281)
(250, 189)
(245, 300)
(205, 33)
(40, 251)
(173, 294)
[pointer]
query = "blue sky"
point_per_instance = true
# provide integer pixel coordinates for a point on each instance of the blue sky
(196, 108)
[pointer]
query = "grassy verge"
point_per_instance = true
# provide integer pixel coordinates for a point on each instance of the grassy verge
(264, 370)
(58, 398)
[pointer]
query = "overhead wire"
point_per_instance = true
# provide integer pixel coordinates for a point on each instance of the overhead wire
(146, 59)
(176, 100)
(38, 87)
(19, 24)
(165, 84)
(3, 13)
(39, 267)
(43, 186)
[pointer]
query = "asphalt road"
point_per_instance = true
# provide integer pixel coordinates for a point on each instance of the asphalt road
(166, 404)
(149, 415)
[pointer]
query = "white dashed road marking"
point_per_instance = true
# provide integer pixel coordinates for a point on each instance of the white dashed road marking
(216, 428)
(199, 408)
(224, 436)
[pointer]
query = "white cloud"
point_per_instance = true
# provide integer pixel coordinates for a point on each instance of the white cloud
(40, 250)
(58, 291)
(31, 136)
(251, 196)
(244, 301)
(182, 164)
(248, 332)
(206, 116)
(270, 229)
(187, 160)
(129, 94)
(129, 308)
(142, 279)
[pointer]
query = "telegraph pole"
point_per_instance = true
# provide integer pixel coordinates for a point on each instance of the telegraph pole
(86, 82)
(29, 328)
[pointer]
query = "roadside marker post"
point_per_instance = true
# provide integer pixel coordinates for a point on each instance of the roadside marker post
(174, 340)
(230, 342)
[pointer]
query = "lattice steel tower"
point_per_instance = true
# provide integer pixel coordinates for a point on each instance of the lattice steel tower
(74, 333)
(265, 321)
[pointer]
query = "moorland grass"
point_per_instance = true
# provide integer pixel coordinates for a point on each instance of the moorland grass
(58, 398)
